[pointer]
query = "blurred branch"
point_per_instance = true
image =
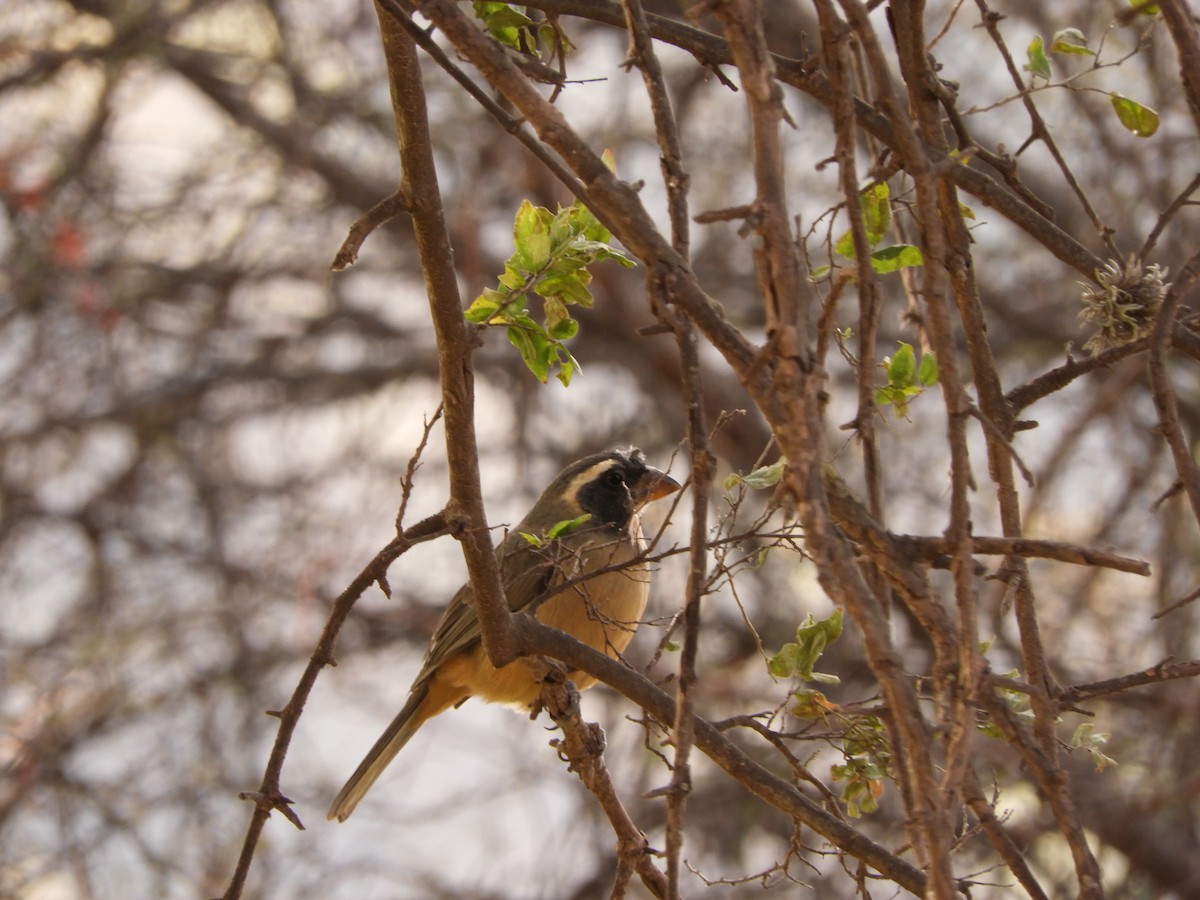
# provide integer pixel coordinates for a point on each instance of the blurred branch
(1181, 24)
(1163, 391)
(199, 67)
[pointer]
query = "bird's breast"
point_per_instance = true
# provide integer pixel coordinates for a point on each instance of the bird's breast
(605, 610)
(602, 611)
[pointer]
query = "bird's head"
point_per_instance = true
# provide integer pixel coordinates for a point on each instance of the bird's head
(611, 487)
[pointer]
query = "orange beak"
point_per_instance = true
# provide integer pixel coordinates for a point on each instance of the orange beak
(653, 485)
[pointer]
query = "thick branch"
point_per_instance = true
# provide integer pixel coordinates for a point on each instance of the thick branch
(455, 340)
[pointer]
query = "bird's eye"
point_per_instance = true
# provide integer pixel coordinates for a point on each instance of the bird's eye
(614, 477)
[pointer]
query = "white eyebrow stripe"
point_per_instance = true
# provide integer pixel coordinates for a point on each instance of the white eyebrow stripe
(588, 475)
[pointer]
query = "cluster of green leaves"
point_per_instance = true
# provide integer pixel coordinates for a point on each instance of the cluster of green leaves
(876, 202)
(905, 379)
(865, 748)
(798, 658)
(1138, 118)
(551, 259)
(509, 24)
(868, 755)
(557, 530)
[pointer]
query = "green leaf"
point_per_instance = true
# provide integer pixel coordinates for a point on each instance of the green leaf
(905, 378)
(584, 222)
(555, 39)
(830, 626)
(556, 312)
(1039, 64)
(766, 476)
(558, 529)
(845, 245)
(1150, 9)
(811, 704)
(552, 252)
(531, 538)
(902, 367)
(1070, 41)
(594, 250)
(812, 637)
(877, 216)
(484, 307)
(784, 663)
(927, 372)
(566, 368)
(877, 211)
(1086, 737)
(896, 397)
(535, 348)
(503, 22)
(566, 289)
(513, 278)
(1141, 120)
(564, 330)
(819, 272)
(531, 238)
(824, 678)
(897, 256)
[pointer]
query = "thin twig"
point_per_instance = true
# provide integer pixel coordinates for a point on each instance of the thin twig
(1167, 215)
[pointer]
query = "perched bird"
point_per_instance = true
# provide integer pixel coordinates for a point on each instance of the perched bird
(600, 496)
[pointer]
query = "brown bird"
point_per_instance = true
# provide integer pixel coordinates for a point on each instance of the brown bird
(600, 496)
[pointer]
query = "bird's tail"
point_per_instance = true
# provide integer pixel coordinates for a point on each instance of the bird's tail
(425, 702)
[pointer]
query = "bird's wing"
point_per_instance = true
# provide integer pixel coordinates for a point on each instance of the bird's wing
(526, 572)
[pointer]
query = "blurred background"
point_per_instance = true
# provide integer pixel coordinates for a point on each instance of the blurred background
(203, 430)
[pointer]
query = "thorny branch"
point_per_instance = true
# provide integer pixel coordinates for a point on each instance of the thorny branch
(269, 797)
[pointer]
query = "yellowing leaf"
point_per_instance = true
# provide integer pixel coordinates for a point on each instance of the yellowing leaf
(1141, 120)
(1071, 41)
